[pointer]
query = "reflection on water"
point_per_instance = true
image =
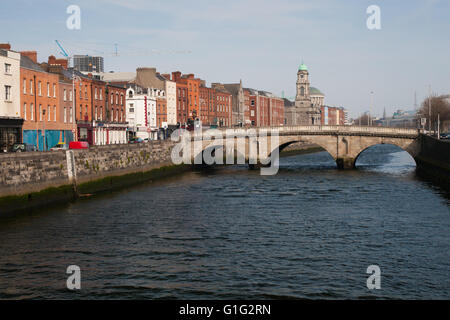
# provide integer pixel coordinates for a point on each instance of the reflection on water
(308, 232)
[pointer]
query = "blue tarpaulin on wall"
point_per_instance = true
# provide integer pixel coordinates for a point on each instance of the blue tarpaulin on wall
(68, 136)
(52, 138)
(29, 137)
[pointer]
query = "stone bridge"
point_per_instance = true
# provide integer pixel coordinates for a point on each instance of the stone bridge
(343, 143)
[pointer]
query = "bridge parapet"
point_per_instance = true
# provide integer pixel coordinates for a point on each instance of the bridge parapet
(321, 130)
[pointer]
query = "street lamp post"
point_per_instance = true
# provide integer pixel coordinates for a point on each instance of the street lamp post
(74, 129)
(43, 122)
(371, 107)
(429, 109)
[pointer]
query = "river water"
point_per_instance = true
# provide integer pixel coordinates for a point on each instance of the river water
(310, 231)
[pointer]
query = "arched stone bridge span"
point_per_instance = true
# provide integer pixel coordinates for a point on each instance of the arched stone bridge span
(343, 143)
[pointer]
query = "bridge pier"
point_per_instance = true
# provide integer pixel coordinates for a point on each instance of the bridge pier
(345, 163)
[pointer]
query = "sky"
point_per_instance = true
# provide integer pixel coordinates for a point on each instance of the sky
(261, 42)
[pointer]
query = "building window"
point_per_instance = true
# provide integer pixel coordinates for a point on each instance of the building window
(39, 89)
(85, 92)
(302, 91)
(25, 111)
(65, 115)
(95, 115)
(71, 95)
(65, 95)
(117, 98)
(40, 112)
(101, 113)
(8, 93)
(95, 94)
(31, 112)
(101, 94)
(7, 68)
(31, 87)
(48, 89)
(121, 99)
(24, 86)
(112, 98)
(49, 113)
(54, 90)
(71, 114)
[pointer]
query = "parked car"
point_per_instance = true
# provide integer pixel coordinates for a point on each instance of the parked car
(136, 140)
(78, 145)
(60, 146)
(24, 147)
(445, 135)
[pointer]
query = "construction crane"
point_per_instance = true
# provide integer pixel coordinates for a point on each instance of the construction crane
(65, 54)
(94, 47)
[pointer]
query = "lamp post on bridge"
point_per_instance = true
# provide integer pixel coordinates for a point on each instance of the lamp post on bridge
(369, 121)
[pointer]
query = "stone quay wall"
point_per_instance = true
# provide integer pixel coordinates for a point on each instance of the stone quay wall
(35, 178)
(433, 159)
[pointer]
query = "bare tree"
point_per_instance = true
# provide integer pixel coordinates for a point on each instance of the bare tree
(436, 105)
(362, 120)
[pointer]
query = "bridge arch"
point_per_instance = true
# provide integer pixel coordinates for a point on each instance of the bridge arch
(408, 145)
(343, 143)
(398, 145)
(346, 149)
(285, 143)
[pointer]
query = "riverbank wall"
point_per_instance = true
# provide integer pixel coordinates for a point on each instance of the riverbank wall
(433, 159)
(35, 179)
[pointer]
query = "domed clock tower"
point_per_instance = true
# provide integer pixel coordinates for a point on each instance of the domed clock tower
(303, 112)
(302, 85)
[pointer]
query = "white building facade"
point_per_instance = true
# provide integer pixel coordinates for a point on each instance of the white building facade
(171, 97)
(10, 120)
(141, 112)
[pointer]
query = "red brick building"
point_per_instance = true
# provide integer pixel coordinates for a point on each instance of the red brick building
(208, 114)
(116, 123)
(223, 106)
(264, 108)
(276, 111)
(188, 96)
(99, 112)
(332, 116)
(161, 112)
(40, 105)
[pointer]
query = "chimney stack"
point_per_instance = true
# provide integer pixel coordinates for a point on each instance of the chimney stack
(30, 54)
(5, 46)
(52, 61)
